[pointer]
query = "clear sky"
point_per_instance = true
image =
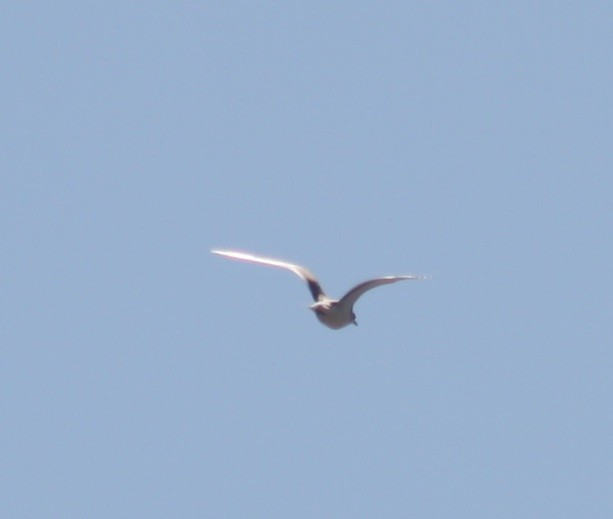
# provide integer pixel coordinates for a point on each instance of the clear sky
(141, 376)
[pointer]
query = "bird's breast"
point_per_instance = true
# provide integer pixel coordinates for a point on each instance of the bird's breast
(332, 315)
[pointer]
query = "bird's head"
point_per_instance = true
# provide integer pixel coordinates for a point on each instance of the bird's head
(321, 307)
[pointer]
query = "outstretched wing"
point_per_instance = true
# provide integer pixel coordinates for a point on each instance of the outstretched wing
(303, 273)
(352, 296)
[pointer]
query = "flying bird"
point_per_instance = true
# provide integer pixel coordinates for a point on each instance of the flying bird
(333, 313)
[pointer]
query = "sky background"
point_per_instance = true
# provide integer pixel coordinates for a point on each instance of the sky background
(141, 376)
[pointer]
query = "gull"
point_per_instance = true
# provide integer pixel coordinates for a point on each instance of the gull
(333, 313)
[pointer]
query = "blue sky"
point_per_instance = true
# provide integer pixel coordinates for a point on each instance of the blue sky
(140, 376)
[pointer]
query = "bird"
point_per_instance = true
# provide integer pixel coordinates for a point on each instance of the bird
(333, 313)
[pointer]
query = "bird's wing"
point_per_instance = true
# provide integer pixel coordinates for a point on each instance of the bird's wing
(352, 296)
(304, 274)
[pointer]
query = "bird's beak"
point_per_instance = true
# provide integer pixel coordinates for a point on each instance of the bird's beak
(355, 322)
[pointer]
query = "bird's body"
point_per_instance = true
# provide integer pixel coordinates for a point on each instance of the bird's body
(333, 313)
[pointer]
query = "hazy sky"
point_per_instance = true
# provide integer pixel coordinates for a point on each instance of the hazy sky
(141, 376)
